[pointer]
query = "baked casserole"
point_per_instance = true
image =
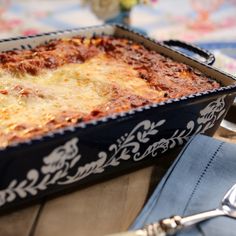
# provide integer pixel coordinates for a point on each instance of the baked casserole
(70, 80)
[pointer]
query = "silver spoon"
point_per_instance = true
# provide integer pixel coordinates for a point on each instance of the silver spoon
(173, 224)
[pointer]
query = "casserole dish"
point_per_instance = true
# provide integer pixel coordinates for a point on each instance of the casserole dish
(91, 150)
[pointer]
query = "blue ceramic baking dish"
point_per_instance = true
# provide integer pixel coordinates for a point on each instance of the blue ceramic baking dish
(88, 151)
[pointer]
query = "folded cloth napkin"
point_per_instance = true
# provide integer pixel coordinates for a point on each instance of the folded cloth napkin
(197, 181)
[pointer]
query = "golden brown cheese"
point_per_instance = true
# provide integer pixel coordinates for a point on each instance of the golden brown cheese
(73, 80)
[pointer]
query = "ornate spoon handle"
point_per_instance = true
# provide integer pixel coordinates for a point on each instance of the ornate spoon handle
(170, 226)
(162, 228)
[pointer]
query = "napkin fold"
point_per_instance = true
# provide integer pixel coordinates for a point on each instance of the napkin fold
(197, 181)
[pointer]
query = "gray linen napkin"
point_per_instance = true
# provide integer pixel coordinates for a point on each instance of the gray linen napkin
(196, 182)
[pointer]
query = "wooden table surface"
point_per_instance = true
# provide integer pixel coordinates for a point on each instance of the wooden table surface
(107, 207)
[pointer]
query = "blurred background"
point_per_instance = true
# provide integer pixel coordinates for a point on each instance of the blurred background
(208, 23)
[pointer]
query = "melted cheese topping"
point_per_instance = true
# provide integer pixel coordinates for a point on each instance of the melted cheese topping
(33, 101)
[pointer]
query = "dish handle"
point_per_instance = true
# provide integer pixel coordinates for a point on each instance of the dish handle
(208, 57)
(229, 123)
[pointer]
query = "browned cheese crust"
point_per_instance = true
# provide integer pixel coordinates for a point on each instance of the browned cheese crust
(172, 79)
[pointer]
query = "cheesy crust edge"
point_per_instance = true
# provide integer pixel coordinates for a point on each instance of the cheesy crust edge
(78, 79)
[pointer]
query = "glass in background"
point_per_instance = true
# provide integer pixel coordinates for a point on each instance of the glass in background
(204, 10)
(4, 5)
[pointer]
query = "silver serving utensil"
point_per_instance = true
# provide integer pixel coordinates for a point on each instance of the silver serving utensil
(229, 122)
(173, 224)
(228, 125)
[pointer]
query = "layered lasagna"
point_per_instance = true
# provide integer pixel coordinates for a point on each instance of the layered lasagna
(71, 80)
